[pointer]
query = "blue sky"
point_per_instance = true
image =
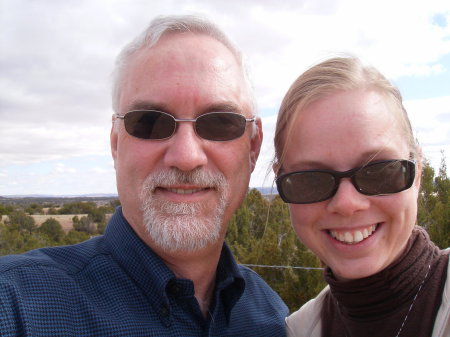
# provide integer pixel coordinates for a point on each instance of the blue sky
(56, 59)
(419, 87)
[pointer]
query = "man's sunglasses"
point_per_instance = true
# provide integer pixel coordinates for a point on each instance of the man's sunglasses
(216, 126)
(377, 178)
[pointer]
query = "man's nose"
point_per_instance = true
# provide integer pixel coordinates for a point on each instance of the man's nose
(185, 150)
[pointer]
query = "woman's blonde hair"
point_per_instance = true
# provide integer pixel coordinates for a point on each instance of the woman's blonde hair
(325, 78)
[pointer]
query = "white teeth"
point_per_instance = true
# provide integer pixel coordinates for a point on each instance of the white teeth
(355, 236)
(365, 233)
(358, 237)
(348, 237)
(184, 191)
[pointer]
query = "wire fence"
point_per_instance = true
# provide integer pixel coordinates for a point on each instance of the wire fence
(281, 267)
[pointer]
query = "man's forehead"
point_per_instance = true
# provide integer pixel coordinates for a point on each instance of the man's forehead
(218, 106)
(179, 58)
(179, 47)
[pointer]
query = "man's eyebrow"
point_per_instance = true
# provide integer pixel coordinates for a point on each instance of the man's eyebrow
(222, 107)
(227, 106)
(146, 105)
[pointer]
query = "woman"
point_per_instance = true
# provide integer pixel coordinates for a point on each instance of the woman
(349, 167)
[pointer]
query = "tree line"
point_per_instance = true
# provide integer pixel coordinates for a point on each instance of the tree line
(259, 234)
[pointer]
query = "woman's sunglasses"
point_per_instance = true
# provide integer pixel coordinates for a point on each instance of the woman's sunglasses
(377, 178)
(216, 126)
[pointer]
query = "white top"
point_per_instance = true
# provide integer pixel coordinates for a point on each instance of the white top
(306, 322)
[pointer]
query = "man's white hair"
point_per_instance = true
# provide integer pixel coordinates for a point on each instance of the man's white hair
(174, 24)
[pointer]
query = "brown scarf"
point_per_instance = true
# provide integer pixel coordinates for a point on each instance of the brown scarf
(377, 305)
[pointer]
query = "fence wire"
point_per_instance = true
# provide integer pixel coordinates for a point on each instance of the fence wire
(281, 267)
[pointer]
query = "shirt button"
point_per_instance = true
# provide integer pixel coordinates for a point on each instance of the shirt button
(164, 311)
(175, 289)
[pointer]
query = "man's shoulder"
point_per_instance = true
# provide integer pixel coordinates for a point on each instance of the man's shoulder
(258, 289)
(251, 276)
(67, 259)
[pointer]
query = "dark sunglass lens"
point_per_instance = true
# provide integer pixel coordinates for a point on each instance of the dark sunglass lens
(386, 177)
(306, 187)
(149, 124)
(220, 126)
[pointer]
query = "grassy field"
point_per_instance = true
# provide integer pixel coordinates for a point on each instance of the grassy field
(65, 220)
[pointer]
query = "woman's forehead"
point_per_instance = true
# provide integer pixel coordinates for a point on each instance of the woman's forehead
(350, 123)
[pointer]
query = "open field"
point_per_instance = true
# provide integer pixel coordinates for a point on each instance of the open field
(65, 219)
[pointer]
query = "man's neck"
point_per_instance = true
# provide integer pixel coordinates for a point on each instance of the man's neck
(199, 267)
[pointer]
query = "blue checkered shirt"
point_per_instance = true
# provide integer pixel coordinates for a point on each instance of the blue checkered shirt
(115, 285)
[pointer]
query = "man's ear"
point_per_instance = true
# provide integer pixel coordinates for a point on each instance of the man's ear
(114, 139)
(276, 167)
(418, 178)
(419, 167)
(255, 143)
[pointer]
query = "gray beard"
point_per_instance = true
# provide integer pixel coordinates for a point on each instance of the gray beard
(183, 226)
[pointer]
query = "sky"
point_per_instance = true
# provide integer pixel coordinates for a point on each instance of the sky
(56, 59)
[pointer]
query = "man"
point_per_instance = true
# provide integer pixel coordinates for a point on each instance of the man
(184, 141)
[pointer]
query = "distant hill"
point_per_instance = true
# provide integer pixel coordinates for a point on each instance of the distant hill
(97, 197)
(30, 199)
(92, 195)
(267, 190)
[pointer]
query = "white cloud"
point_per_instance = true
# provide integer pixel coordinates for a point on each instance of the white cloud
(25, 143)
(101, 170)
(61, 168)
(57, 57)
(431, 122)
(58, 179)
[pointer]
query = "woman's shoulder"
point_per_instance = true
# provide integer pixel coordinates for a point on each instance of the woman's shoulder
(306, 321)
(442, 322)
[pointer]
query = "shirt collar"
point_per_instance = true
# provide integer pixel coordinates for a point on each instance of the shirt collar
(230, 284)
(153, 276)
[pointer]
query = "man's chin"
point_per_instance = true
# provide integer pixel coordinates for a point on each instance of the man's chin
(182, 232)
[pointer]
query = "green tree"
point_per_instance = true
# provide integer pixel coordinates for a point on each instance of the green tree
(427, 196)
(6, 209)
(13, 240)
(97, 215)
(101, 226)
(85, 224)
(260, 234)
(78, 207)
(114, 203)
(52, 228)
(74, 237)
(434, 204)
(439, 228)
(34, 209)
(443, 182)
(52, 211)
(96, 221)
(24, 221)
